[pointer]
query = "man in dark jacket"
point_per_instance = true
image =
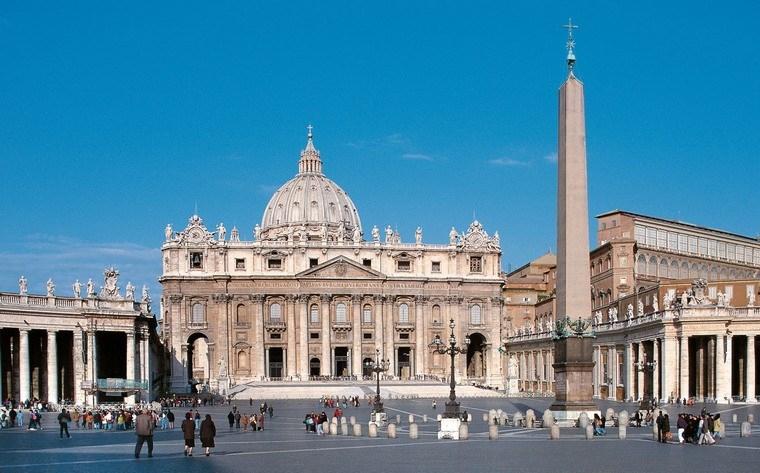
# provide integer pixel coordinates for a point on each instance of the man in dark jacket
(660, 436)
(144, 429)
(231, 420)
(63, 420)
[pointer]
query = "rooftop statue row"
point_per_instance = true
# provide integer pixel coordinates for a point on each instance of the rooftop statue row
(109, 290)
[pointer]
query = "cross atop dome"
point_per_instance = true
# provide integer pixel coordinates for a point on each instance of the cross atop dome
(310, 161)
(570, 44)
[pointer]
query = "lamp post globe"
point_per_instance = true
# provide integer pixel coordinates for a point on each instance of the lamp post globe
(437, 346)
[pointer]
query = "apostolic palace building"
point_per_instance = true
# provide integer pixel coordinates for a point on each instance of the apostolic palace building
(312, 295)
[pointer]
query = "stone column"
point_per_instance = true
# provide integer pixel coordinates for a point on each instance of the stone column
(597, 368)
(629, 370)
(130, 364)
(145, 368)
(723, 367)
(710, 390)
(667, 367)
(79, 368)
(260, 334)
(612, 363)
(656, 372)
(390, 351)
(356, 347)
(640, 388)
(751, 369)
(24, 379)
(290, 361)
(683, 382)
(52, 367)
(92, 367)
(324, 318)
(377, 320)
(419, 334)
(303, 332)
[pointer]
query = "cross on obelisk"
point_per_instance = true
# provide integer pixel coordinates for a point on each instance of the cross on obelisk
(570, 43)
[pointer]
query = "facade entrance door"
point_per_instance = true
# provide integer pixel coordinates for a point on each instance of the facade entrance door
(275, 363)
(341, 361)
(404, 370)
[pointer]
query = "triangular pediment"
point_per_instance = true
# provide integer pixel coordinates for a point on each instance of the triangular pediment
(340, 267)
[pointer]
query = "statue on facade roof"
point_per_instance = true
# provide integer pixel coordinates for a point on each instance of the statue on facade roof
(640, 308)
(77, 288)
(90, 288)
(145, 294)
(496, 240)
(234, 235)
(22, 286)
(221, 232)
(453, 236)
(629, 312)
(655, 304)
(418, 235)
(168, 232)
(257, 232)
(357, 234)
(110, 281)
(375, 234)
(50, 287)
(388, 234)
(130, 291)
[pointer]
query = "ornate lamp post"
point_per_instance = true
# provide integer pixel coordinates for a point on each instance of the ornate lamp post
(438, 346)
(378, 366)
(646, 367)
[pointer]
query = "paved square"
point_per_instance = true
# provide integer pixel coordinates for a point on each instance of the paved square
(285, 446)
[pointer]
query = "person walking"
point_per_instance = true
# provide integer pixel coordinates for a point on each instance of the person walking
(231, 420)
(63, 421)
(665, 428)
(144, 426)
(188, 433)
(208, 432)
(659, 427)
(170, 418)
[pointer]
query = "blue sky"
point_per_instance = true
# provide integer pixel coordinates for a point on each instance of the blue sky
(117, 118)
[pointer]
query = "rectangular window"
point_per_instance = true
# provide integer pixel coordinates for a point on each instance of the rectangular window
(731, 251)
(672, 241)
(703, 246)
(692, 244)
(313, 262)
(662, 240)
(196, 260)
(314, 335)
(712, 292)
(274, 263)
(476, 264)
(403, 336)
(275, 336)
(367, 335)
(640, 234)
(682, 246)
(651, 237)
(239, 263)
(712, 248)
(403, 265)
(436, 267)
(740, 253)
(722, 249)
(367, 262)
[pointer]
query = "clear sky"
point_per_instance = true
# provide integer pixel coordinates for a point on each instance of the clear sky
(117, 118)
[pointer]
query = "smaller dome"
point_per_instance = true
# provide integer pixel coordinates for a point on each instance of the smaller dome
(310, 206)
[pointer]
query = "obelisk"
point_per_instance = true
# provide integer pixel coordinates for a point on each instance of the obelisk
(573, 364)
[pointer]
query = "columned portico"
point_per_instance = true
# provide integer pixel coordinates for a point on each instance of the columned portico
(24, 378)
(751, 374)
(52, 366)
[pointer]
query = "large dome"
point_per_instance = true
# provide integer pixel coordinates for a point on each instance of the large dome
(310, 206)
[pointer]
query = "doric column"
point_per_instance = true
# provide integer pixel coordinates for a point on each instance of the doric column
(723, 357)
(751, 369)
(656, 372)
(378, 315)
(668, 367)
(130, 364)
(390, 349)
(303, 332)
(92, 359)
(326, 363)
(629, 370)
(259, 333)
(145, 365)
(640, 390)
(23, 365)
(597, 368)
(79, 368)
(419, 333)
(710, 390)
(683, 381)
(612, 363)
(52, 367)
(290, 362)
(356, 346)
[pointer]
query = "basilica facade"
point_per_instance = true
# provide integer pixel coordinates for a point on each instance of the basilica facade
(312, 297)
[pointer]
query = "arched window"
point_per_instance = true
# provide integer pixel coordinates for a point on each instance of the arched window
(199, 313)
(684, 270)
(275, 312)
(403, 313)
(367, 314)
(609, 263)
(241, 315)
(673, 270)
(641, 265)
(436, 314)
(652, 269)
(278, 214)
(475, 315)
(693, 271)
(340, 313)
(296, 212)
(663, 272)
(314, 314)
(314, 211)
(713, 274)
(242, 358)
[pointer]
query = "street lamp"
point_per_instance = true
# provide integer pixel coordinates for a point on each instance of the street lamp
(646, 367)
(438, 346)
(378, 366)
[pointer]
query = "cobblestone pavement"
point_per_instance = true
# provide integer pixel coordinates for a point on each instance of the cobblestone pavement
(285, 447)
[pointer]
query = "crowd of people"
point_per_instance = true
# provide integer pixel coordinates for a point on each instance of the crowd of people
(330, 402)
(704, 429)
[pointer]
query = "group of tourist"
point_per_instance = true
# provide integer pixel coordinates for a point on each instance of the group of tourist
(330, 402)
(241, 421)
(314, 422)
(703, 429)
(15, 417)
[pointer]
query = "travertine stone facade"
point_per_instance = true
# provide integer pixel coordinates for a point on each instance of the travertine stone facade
(89, 348)
(310, 296)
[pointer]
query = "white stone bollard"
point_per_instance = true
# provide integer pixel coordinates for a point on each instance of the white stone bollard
(413, 431)
(326, 427)
(751, 418)
(424, 418)
(734, 418)
(623, 418)
(492, 415)
(372, 430)
(486, 419)
(589, 432)
(554, 432)
(622, 432)
(343, 420)
(345, 429)
(530, 418)
(583, 420)
(352, 421)
(517, 419)
(334, 420)
(464, 431)
(439, 417)
(503, 419)
(746, 429)
(411, 418)
(493, 432)
(548, 418)
(334, 428)
(357, 430)
(391, 431)
(398, 418)
(654, 431)
(609, 414)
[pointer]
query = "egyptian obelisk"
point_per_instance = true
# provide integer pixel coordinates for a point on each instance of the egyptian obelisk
(572, 353)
